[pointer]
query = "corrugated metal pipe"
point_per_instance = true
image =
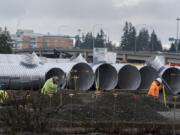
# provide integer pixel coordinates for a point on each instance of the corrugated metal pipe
(148, 75)
(171, 79)
(81, 77)
(169, 75)
(76, 76)
(129, 77)
(18, 76)
(105, 76)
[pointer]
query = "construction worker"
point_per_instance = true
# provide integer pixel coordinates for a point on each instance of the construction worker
(155, 87)
(51, 85)
(3, 96)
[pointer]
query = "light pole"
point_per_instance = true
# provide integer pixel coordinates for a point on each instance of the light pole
(79, 30)
(178, 19)
(94, 32)
(107, 37)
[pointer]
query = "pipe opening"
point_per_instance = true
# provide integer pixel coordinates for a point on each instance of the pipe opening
(129, 78)
(81, 77)
(172, 78)
(56, 72)
(107, 77)
(148, 75)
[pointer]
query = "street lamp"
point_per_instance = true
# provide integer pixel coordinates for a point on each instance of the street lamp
(107, 37)
(94, 33)
(79, 30)
(178, 19)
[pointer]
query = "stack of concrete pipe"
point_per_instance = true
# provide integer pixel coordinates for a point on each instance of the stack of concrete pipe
(19, 72)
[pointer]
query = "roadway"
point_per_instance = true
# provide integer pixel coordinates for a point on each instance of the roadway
(87, 53)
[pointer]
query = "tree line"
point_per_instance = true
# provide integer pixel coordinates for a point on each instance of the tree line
(5, 39)
(130, 40)
(88, 41)
(175, 47)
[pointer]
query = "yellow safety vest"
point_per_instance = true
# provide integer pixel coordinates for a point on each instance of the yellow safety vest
(49, 87)
(3, 96)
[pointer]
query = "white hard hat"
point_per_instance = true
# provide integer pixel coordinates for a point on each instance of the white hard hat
(159, 80)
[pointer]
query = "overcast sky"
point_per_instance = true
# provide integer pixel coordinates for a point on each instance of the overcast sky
(67, 16)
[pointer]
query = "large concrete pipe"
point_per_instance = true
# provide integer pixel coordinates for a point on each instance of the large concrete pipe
(148, 75)
(128, 76)
(105, 75)
(81, 76)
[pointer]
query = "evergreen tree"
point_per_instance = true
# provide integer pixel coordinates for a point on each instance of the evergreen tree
(142, 41)
(172, 48)
(154, 44)
(124, 38)
(78, 43)
(5, 45)
(87, 41)
(132, 38)
(100, 40)
(110, 46)
(128, 38)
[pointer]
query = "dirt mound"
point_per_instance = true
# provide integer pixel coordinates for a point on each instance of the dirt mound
(107, 108)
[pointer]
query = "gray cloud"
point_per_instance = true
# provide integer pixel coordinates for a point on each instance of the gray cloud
(49, 15)
(10, 9)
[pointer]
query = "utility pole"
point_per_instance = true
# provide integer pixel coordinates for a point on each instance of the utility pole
(178, 19)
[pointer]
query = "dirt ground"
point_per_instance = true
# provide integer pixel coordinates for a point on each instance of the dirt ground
(127, 110)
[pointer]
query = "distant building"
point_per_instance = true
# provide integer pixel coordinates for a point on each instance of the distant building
(24, 39)
(54, 41)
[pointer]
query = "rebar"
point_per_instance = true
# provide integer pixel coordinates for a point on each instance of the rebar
(115, 95)
(92, 108)
(174, 116)
(71, 96)
(135, 109)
